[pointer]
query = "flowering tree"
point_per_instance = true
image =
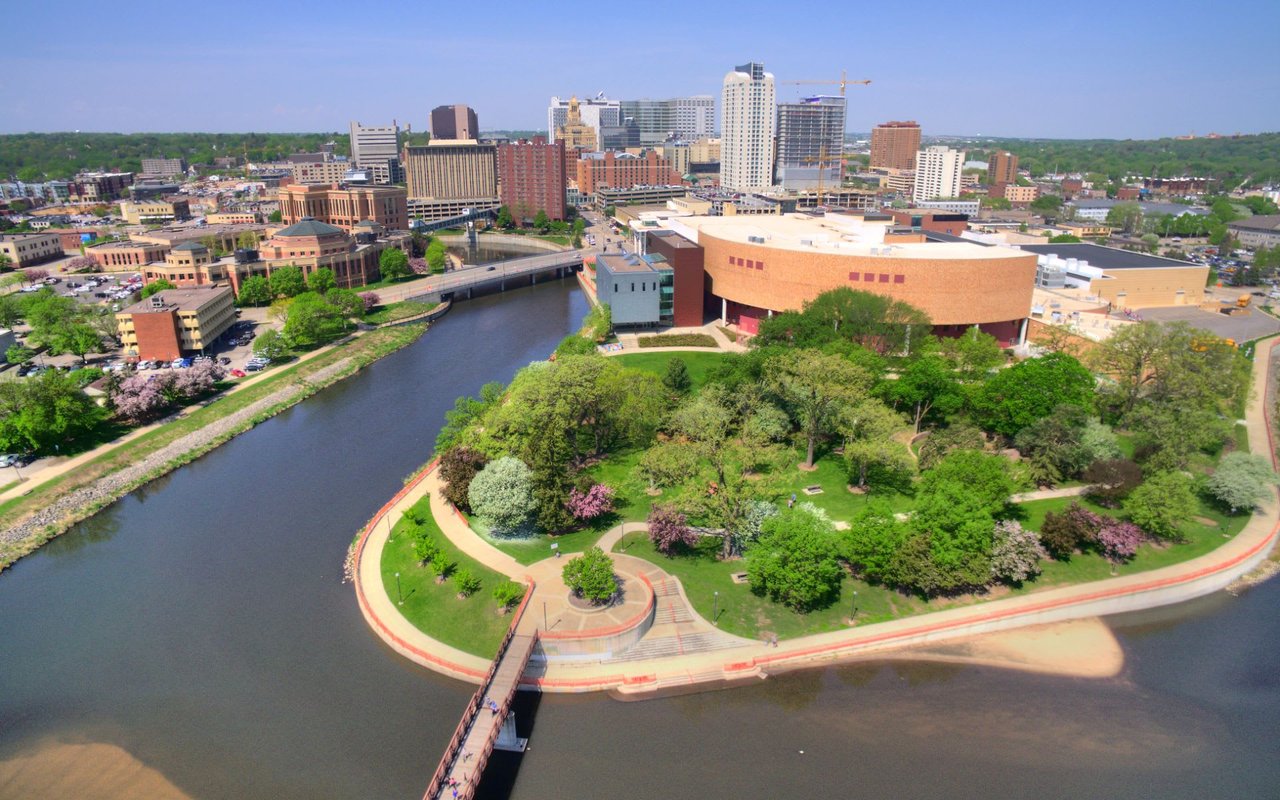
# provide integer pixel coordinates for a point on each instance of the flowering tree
(594, 502)
(35, 275)
(1241, 480)
(139, 398)
(1067, 531)
(1118, 540)
(501, 494)
(419, 266)
(668, 529)
(1015, 552)
(198, 379)
(370, 300)
(81, 264)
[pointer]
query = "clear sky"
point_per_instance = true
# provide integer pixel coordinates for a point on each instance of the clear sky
(1066, 70)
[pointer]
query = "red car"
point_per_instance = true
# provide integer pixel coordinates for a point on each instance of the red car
(238, 373)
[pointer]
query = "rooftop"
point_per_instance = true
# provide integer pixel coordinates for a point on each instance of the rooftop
(630, 262)
(177, 300)
(309, 226)
(1268, 222)
(1108, 257)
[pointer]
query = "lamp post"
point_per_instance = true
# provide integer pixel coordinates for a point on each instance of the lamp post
(399, 597)
(715, 608)
(853, 611)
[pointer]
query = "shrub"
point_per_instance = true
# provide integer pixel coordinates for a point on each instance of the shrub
(468, 583)
(508, 593)
(669, 530)
(1111, 480)
(425, 549)
(590, 576)
(594, 502)
(458, 468)
(501, 494)
(575, 345)
(442, 565)
(678, 340)
(1015, 552)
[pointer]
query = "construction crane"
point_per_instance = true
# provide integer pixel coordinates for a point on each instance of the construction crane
(823, 156)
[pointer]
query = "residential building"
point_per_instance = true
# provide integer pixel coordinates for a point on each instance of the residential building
(328, 172)
(810, 143)
(659, 121)
(164, 167)
(624, 170)
(1259, 231)
(377, 148)
(747, 135)
(1002, 167)
(153, 211)
(678, 155)
(938, 171)
(968, 207)
(344, 206)
(639, 289)
(593, 112)
(894, 145)
(1015, 194)
(175, 321)
(454, 122)
(705, 151)
(99, 187)
(899, 181)
(449, 169)
(1124, 278)
(532, 178)
(28, 249)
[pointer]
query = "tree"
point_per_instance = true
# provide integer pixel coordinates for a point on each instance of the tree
(541, 222)
(590, 576)
(156, 286)
(507, 593)
(1046, 204)
(321, 281)
(1016, 553)
(1118, 540)
(348, 303)
(33, 275)
(38, 413)
(592, 503)
(275, 216)
(1112, 480)
(1065, 238)
(815, 387)
(501, 494)
(286, 282)
(18, 354)
(247, 240)
(1161, 504)
(599, 322)
(874, 537)
(1015, 397)
(873, 321)
(1240, 481)
(505, 220)
(926, 384)
(436, 258)
(311, 321)
(1065, 532)
(795, 560)
(676, 378)
(667, 464)
(973, 354)
(940, 442)
(459, 466)
(1125, 216)
(1053, 446)
(254, 291)
(371, 300)
(270, 345)
(468, 583)
(79, 339)
(669, 530)
(872, 457)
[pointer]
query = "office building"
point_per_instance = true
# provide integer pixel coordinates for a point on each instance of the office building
(747, 135)
(595, 171)
(175, 321)
(150, 212)
(894, 145)
(685, 118)
(938, 171)
(325, 171)
(345, 206)
(1002, 167)
(26, 249)
(637, 288)
(593, 112)
(456, 173)
(1123, 278)
(532, 178)
(164, 167)
(621, 137)
(810, 143)
(377, 148)
(1257, 231)
(99, 187)
(454, 122)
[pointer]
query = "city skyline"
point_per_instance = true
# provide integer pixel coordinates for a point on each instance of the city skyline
(1049, 79)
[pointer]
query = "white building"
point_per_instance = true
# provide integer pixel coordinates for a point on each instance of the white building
(938, 171)
(746, 139)
(377, 148)
(596, 112)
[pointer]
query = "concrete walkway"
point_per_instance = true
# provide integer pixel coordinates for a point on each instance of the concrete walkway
(631, 342)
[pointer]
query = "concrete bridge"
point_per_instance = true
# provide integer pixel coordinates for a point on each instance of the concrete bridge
(461, 283)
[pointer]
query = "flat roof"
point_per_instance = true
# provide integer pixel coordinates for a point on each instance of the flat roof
(625, 262)
(673, 238)
(1108, 257)
(176, 300)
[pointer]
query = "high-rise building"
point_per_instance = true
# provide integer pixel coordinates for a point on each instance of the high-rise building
(594, 112)
(576, 134)
(684, 118)
(894, 145)
(746, 138)
(938, 171)
(454, 122)
(810, 141)
(377, 148)
(532, 178)
(164, 167)
(451, 169)
(1002, 167)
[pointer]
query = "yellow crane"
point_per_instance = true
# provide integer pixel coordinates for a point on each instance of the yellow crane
(823, 156)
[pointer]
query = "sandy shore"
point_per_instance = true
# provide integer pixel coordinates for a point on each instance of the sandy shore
(92, 771)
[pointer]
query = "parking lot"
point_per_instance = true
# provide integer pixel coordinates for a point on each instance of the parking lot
(1241, 328)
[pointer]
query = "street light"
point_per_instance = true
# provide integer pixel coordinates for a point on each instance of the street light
(715, 609)
(853, 612)
(399, 597)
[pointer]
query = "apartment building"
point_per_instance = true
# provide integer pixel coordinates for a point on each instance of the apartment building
(1002, 167)
(938, 171)
(623, 171)
(747, 138)
(532, 178)
(449, 169)
(810, 143)
(894, 144)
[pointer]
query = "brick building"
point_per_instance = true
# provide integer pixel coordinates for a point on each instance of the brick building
(624, 170)
(1002, 167)
(685, 259)
(930, 220)
(345, 206)
(894, 145)
(175, 321)
(114, 255)
(532, 178)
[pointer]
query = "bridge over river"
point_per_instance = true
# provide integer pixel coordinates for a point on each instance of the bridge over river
(502, 275)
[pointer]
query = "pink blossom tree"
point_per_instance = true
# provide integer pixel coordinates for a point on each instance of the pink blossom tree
(139, 398)
(594, 502)
(198, 379)
(35, 275)
(669, 530)
(1118, 540)
(81, 264)
(371, 301)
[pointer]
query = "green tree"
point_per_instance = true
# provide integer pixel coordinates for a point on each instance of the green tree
(927, 384)
(321, 281)
(158, 285)
(505, 220)
(1126, 217)
(541, 222)
(38, 413)
(1065, 238)
(19, 354)
(973, 355)
(1046, 204)
(1241, 481)
(287, 282)
(254, 291)
(676, 378)
(311, 321)
(590, 576)
(501, 494)
(599, 322)
(1014, 398)
(247, 240)
(394, 264)
(79, 339)
(816, 387)
(270, 345)
(275, 217)
(1161, 504)
(436, 256)
(794, 562)
(872, 321)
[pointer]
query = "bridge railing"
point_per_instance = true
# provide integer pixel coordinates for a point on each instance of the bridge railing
(473, 709)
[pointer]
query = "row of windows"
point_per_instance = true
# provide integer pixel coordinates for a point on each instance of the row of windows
(746, 262)
(644, 286)
(870, 277)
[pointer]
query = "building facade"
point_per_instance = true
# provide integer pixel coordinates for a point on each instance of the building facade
(175, 321)
(532, 178)
(454, 122)
(637, 288)
(113, 255)
(684, 118)
(1258, 231)
(27, 249)
(1123, 278)
(686, 261)
(164, 167)
(377, 148)
(894, 145)
(747, 134)
(452, 170)
(150, 212)
(938, 171)
(344, 206)
(623, 171)
(1002, 167)
(810, 143)
(593, 112)
(99, 187)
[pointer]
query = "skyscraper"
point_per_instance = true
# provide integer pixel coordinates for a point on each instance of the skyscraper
(894, 145)
(532, 176)
(454, 122)
(595, 112)
(746, 139)
(1002, 167)
(378, 150)
(810, 141)
(938, 171)
(685, 118)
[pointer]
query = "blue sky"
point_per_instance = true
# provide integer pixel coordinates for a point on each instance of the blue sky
(1119, 69)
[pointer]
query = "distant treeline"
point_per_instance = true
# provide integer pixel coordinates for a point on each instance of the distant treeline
(1252, 160)
(34, 157)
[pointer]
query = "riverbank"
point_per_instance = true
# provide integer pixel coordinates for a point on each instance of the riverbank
(51, 508)
(94, 769)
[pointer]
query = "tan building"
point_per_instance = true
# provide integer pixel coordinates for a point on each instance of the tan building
(902, 181)
(345, 206)
(1123, 278)
(705, 151)
(576, 134)
(321, 171)
(1002, 167)
(1086, 229)
(222, 237)
(149, 212)
(116, 255)
(894, 145)
(452, 169)
(678, 156)
(175, 321)
(26, 249)
(231, 218)
(1015, 194)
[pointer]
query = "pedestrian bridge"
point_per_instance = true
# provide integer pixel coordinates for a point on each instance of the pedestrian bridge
(514, 272)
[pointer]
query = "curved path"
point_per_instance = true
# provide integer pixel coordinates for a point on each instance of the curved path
(651, 664)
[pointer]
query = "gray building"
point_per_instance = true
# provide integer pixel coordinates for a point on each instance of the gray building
(1261, 231)
(1097, 210)
(164, 167)
(677, 118)
(377, 149)
(639, 289)
(810, 141)
(597, 112)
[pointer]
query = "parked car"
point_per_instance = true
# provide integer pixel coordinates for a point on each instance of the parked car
(238, 373)
(224, 361)
(252, 367)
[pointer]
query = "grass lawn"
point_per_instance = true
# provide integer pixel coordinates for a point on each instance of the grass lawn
(396, 311)
(698, 363)
(836, 499)
(472, 624)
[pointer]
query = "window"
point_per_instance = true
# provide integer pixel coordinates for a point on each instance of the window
(899, 278)
(884, 277)
(868, 276)
(853, 276)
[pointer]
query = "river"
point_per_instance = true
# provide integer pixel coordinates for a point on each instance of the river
(202, 626)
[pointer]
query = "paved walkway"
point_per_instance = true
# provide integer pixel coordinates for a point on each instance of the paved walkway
(631, 342)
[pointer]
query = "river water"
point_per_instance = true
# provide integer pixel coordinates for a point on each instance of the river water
(201, 625)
